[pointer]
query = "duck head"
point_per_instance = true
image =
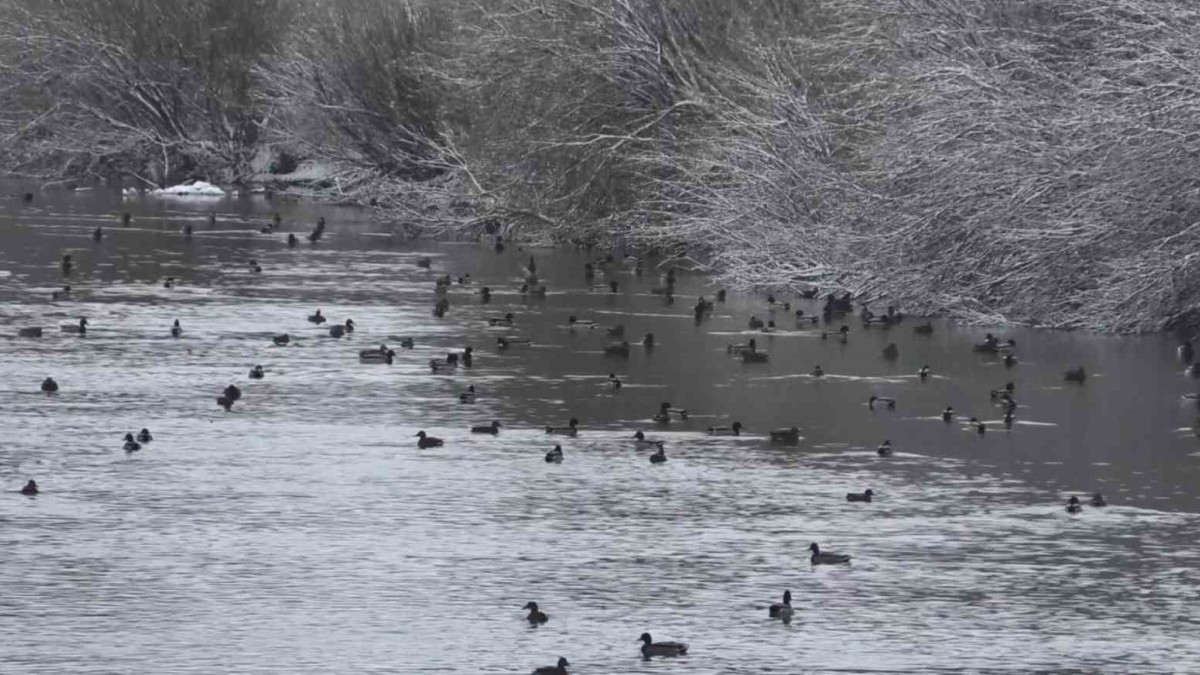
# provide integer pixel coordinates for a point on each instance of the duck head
(646, 639)
(869, 492)
(420, 434)
(737, 427)
(573, 422)
(1073, 500)
(508, 316)
(814, 548)
(639, 436)
(531, 606)
(128, 438)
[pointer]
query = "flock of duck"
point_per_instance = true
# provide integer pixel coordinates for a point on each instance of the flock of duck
(837, 308)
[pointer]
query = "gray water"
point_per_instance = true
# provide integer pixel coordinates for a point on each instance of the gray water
(305, 532)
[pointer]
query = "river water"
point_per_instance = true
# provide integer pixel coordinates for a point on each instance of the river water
(305, 532)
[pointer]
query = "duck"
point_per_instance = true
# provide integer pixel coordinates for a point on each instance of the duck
(885, 400)
(377, 356)
(721, 295)
(257, 373)
(1098, 500)
(230, 395)
(440, 307)
(614, 381)
(187, 230)
(126, 219)
(292, 241)
(176, 329)
(640, 442)
(255, 268)
(1008, 419)
(340, 330)
(665, 411)
(864, 496)
(32, 331)
(734, 429)
(536, 616)
(130, 444)
(493, 428)
(756, 323)
(652, 648)
(948, 414)
(75, 328)
(555, 456)
(169, 283)
(571, 429)
(1006, 390)
(436, 366)
(506, 320)
(774, 610)
(318, 231)
(31, 488)
(812, 319)
(427, 441)
(817, 372)
(791, 435)
(144, 436)
(506, 342)
(316, 318)
(884, 449)
(98, 234)
(820, 558)
(573, 321)
(891, 351)
(1010, 360)
(620, 349)
(980, 427)
(49, 385)
(281, 340)
(1078, 375)
(533, 290)
(923, 373)
(755, 356)
(648, 341)
(1073, 505)
(739, 348)
(990, 344)
(923, 328)
(424, 262)
(467, 396)
(64, 294)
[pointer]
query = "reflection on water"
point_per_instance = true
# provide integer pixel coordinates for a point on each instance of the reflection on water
(305, 532)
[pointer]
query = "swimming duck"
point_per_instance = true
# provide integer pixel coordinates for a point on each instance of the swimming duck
(948, 414)
(652, 648)
(734, 429)
(30, 332)
(774, 610)
(536, 616)
(801, 317)
(31, 488)
(442, 283)
(176, 329)
(436, 366)
(1010, 360)
(281, 340)
(368, 353)
(130, 444)
(990, 344)
(467, 396)
(1006, 390)
(75, 328)
(614, 381)
(923, 328)
(555, 456)
(291, 240)
(640, 442)
(570, 430)
(819, 558)
(721, 295)
(884, 449)
(891, 351)
(424, 262)
(506, 342)
(144, 436)
(980, 427)
(49, 385)
(406, 343)
(860, 496)
(791, 435)
(316, 318)
(1098, 500)
(665, 411)
(377, 356)
(318, 231)
(187, 230)
(573, 321)
(659, 457)
(1073, 505)
(1008, 419)
(440, 307)
(97, 234)
(506, 320)
(648, 341)
(885, 400)
(63, 294)
(228, 397)
(756, 323)
(739, 348)
(169, 283)
(465, 279)
(817, 372)
(67, 264)
(755, 356)
(493, 428)
(533, 290)
(426, 441)
(255, 267)
(257, 373)
(339, 331)
(620, 349)
(1075, 375)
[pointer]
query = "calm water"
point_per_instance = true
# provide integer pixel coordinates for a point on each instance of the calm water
(305, 532)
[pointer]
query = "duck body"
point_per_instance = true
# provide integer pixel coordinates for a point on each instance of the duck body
(659, 456)
(426, 441)
(791, 435)
(621, 350)
(948, 415)
(144, 436)
(640, 442)
(571, 429)
(651, 648)
(923, 328)
(882, 400)
(821, 558)
(776, 609)
(1078, 375)
(493, 428)
(49, 385)
(507, 342)
(535, 616)
(257, 373)
(885, 449)
(734, 429)
(176, 329)
(754, 356)
(506, 320)
(75, 328)
(555, 456)
(130, 444)
(377, 356)
(860, 496)
(467, 396)
(1073, 505)
(341, 329)
(317, 318)
(1098, 500)
(32, 331)
(281, 340)
(30, 489)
